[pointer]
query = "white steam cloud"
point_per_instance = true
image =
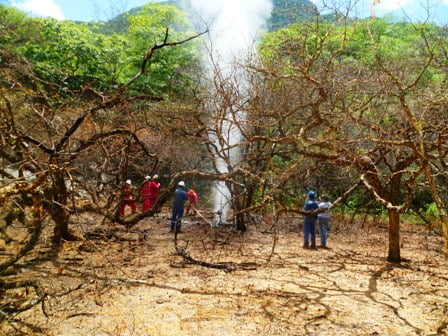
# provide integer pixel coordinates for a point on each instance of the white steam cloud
(233, 28)
(234, 23)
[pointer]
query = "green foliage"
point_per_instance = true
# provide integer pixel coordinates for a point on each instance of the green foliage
(75, 55)
(412, 218)
(284, 13)
(148, 28)
(103, 54)
(377, 39)
(172, 69)
(432, 211)
(363, 42)
(15, 28)
(116, 25)
(70, 54)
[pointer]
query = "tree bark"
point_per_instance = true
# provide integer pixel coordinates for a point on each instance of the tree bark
(394, 236)
(58, 210)
(440, 206)
(394, 216)
(240, 216)
(389, 197)
(240, 222)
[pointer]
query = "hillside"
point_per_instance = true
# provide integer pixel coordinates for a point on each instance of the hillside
(284, 13)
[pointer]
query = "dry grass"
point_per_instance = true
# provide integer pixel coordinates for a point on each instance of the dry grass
(132, 283)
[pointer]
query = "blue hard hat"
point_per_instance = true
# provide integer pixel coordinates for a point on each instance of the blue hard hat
(311, 193)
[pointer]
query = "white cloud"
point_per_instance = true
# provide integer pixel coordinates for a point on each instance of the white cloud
(44, 8)
(394, 4)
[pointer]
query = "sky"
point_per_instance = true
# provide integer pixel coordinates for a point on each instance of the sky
(94, 10)
(78, 10)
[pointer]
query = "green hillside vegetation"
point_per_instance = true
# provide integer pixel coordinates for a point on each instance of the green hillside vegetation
(73, 55)
(284, 13)
(104, 54)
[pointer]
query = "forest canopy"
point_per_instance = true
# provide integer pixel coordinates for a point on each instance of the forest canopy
(73, 55)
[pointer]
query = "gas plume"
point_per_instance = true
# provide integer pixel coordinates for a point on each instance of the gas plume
(233, 27)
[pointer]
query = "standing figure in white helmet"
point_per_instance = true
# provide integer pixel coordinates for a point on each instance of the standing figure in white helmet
(127, 199)
(179, 199)
(145, 193)
(154, 187)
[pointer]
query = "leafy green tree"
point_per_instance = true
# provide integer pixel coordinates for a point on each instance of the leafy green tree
(14, 27)
(70, 54)
(169, 69)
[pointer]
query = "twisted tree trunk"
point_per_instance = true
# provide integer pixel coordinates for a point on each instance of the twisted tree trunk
(59, 209)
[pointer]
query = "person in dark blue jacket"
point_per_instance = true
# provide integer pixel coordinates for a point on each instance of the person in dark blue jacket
(179, 199)
(309, 227)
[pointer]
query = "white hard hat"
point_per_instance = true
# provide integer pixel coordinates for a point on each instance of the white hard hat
(181, 184)
(147, 177)
(128, 182)
(155, 177)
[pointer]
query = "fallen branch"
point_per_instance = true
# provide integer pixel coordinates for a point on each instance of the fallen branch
(225, 266)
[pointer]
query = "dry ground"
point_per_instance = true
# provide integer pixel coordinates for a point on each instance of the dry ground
(132, 283)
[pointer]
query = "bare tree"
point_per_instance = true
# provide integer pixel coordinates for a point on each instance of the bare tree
(49, 152)
(371, 117)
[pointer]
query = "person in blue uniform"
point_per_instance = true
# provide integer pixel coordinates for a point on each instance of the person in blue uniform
(309, 227)
(179, 199)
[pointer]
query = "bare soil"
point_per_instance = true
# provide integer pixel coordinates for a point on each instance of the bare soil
(131, 282)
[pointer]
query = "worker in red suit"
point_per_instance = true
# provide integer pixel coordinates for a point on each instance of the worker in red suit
(154, 187)
(192, 200)
(127, 198)
(145, 193)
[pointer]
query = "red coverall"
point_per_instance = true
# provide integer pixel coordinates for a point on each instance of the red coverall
(153, 192)
(193, 200)
(127, 197)
(145, 192)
